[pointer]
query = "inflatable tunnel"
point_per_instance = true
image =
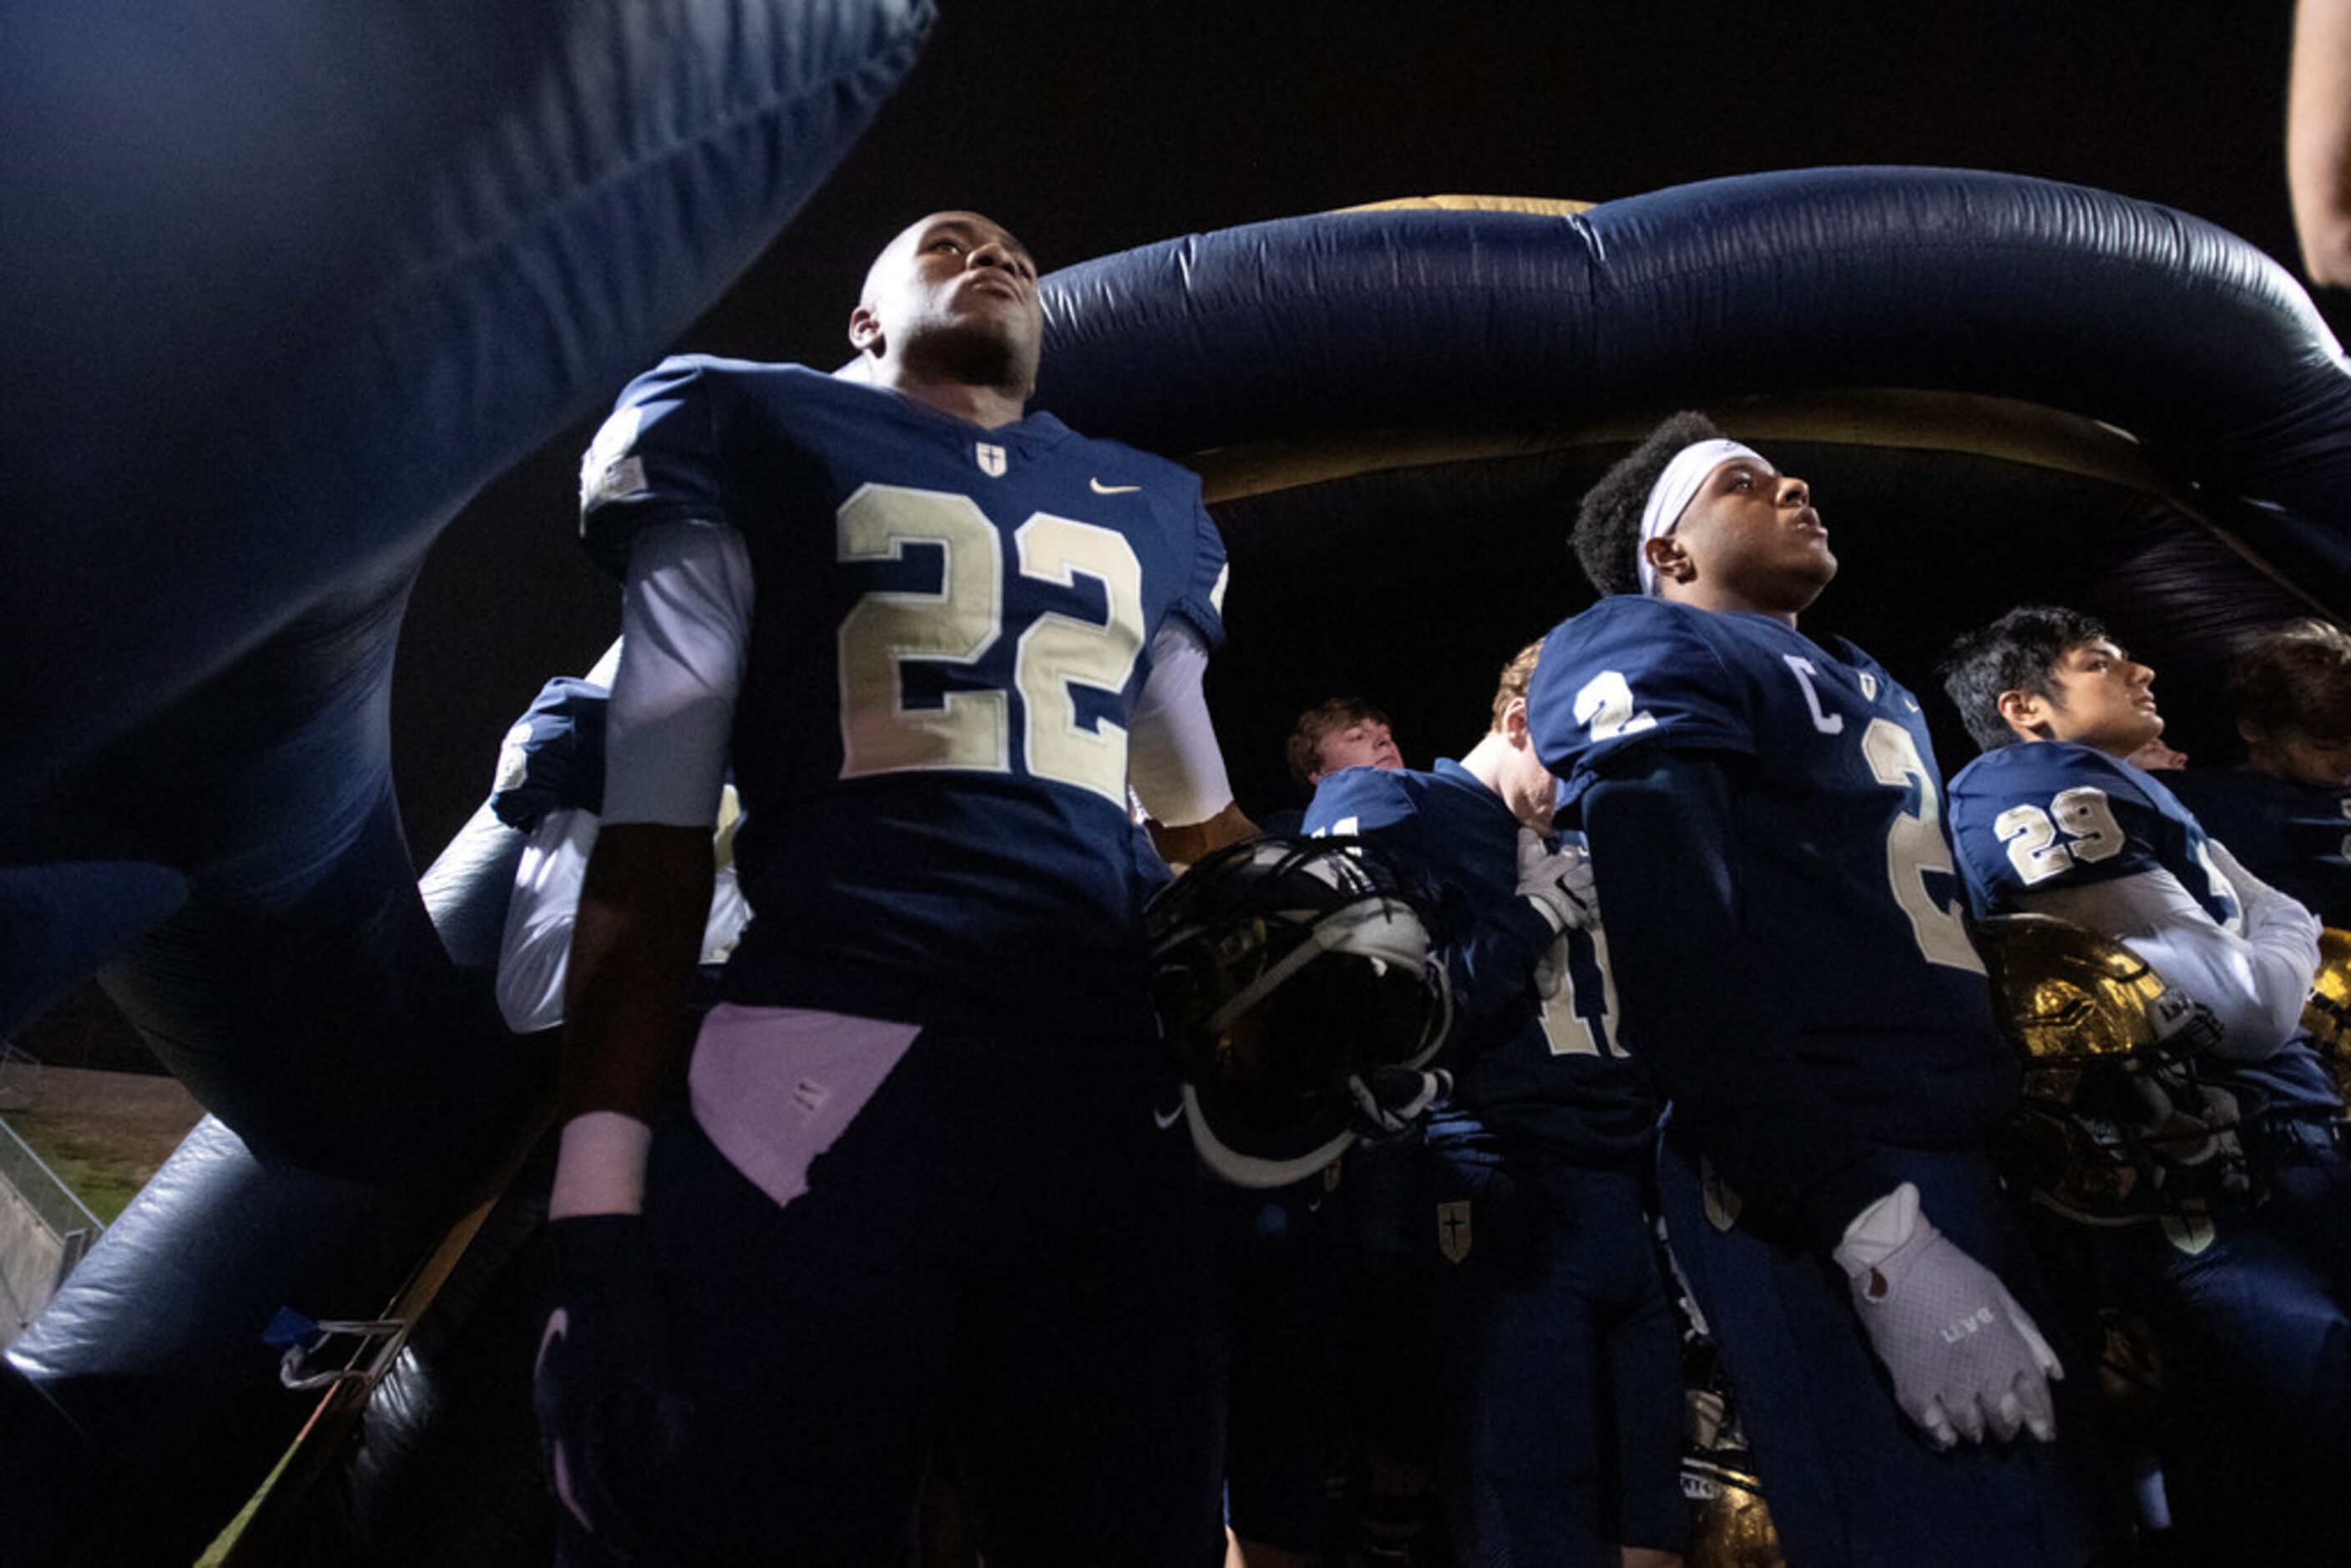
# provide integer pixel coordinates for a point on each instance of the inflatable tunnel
(287, 287)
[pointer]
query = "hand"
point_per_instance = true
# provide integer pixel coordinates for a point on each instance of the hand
(1391, 1101)
(553, 757)
(611, 1419)
(1964, 1356)
(1557, 882)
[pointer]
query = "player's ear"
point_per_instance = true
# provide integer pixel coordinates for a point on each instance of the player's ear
(1513, 722)
(1669, 559)
(865, 330)
(2025, 712)
(2251, 733)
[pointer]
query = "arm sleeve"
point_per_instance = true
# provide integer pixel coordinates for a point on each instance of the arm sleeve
(685, 622)
(2256, 985)
(1174, 761)
(535, 954)
(1202, 603)
(1716, 1048)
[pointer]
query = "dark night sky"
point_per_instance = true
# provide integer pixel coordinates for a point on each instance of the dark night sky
(1091, 128)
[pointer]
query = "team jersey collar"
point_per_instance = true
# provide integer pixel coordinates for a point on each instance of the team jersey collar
(1035, 428)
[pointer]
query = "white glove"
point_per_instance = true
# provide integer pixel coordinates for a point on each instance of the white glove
(1963, 1356)
(1557, 882)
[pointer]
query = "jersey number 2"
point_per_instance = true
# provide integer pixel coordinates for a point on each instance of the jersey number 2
(1915, 846)
(960, 621)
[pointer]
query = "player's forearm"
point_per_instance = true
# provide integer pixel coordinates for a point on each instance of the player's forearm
(1175, 764)
(634, 948)
(1184, 845)
(2254, 985)
(2318, 138)
(1698, 1008)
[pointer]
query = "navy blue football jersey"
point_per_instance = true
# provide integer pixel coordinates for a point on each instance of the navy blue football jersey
(2043, 815)
(2295, 836)
(1551, 1069)
(1848, 897)
(951, 627)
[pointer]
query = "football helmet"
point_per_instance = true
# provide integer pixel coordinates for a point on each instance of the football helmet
(1730, 1521)
(2115, 1127)
(2327, 1016)
(1287, 970)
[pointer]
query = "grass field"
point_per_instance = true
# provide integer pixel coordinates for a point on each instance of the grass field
(101, 1175)
(104, 1133)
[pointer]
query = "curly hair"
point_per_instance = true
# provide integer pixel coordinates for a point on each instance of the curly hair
(1608, 522)
(2018, 652)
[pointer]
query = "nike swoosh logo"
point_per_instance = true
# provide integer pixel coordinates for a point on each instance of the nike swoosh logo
(1166, 1119)
(1103, 489)
(558, 1327)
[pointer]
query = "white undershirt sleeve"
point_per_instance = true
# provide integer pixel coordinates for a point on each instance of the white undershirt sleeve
(1173, 762)
(534, 954)
(685, 619)
(2255, 984)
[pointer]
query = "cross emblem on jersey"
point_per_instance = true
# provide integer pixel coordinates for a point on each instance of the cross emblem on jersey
(1453, 1230)
(990, 457)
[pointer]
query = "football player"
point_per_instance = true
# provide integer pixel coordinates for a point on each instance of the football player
(1340, 732)
(930, 1176)
(1793, 974)
(1562, 1354)
(2252, 1301)
(1335, 733)
(2286, 813)
(551, 785)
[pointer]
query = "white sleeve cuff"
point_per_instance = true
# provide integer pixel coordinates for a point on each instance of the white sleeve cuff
(599, 1166)
(1879, 1231)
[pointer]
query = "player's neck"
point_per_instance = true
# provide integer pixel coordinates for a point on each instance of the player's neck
(1485, 761)
(1719, 598)
(988, 407)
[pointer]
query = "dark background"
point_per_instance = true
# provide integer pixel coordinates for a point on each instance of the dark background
(1091, 128)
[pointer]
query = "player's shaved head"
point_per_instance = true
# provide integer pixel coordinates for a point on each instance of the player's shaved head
(978, 225)
(949, 314)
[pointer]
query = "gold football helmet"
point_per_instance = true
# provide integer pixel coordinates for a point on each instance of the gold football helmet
(2115, 1127)
(2069, 997)
(1730, 1523)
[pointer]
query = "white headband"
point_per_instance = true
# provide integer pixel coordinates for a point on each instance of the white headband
(1670, 496)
